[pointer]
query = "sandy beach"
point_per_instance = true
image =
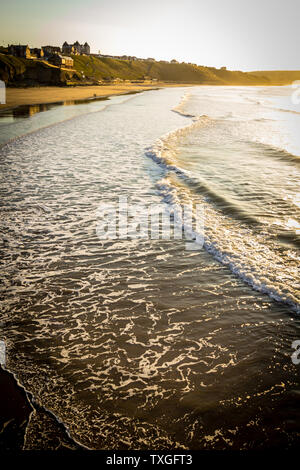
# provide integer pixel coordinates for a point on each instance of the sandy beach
(30, 96)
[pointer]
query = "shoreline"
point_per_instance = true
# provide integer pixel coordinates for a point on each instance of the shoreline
(18, 409)
(15, 411)
(57, 95)
(16, 97)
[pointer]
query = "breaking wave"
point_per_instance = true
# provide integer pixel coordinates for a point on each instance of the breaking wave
(232, 235)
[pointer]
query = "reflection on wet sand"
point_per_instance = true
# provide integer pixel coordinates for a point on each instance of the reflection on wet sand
(28, 110)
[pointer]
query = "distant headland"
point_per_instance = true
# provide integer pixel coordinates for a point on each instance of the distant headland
(74, 64)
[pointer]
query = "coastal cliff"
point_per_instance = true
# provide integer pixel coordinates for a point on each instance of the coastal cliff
(92, 70)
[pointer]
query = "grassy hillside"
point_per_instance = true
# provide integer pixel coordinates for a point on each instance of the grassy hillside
(108, 69)
(279, 77)
(93, 70)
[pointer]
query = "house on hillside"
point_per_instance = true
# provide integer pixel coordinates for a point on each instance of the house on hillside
(76, 48)
(50, 50)
(174, 61)
(36, 53)
(86, 49)
(19, 50)
(61, 61)
(67, 48)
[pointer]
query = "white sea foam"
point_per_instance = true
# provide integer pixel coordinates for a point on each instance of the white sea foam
(249, 255)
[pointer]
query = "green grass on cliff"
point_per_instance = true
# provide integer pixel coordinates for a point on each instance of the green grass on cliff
(279, 77)
(106, 68)
(91, 69)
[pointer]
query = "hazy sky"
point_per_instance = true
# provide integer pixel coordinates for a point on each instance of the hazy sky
(239, 34)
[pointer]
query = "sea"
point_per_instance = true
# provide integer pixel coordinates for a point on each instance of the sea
(139, 342)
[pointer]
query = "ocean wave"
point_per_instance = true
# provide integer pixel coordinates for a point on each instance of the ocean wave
(245, 253)
(273, 151)
(229, 235)
(268, 104)
(283, 110)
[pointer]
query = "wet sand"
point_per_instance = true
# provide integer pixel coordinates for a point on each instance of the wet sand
(15, 410)
(28, 96)
(27, 426)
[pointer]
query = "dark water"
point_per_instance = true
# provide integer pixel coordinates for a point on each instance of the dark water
(28, 110)
(141, 343)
